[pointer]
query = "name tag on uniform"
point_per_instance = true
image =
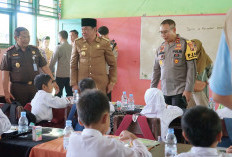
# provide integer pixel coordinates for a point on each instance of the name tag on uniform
(35, 67)
(177, 55)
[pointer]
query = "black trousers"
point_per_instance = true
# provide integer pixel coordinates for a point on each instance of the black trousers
(109, 96)
(23, 93)
(63, 82)
(176, 100)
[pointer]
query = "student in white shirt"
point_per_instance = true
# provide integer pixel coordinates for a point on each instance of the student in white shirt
(86, 83)
(44, 101)
(202, 128)
(4, 123)
(157, 108)
(94, 113)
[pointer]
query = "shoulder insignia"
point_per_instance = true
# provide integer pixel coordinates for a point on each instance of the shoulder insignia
(9, 48)
(190, 52)
(78, 38)
(105, 39)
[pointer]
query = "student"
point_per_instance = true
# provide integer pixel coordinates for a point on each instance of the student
(87, 83)
(93, 112)
(4, 123)
(202, 128)
(157, 108)
(44, 101)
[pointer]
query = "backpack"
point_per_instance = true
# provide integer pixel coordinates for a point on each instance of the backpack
(13, 111)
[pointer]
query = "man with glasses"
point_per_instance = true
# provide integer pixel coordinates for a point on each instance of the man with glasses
(89, 57)
(174, 66)
(20, 64)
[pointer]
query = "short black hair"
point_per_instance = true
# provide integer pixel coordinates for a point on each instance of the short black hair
(40, 80)
(86, 83)
(18, 30)
(74, 31)
(103, 30)
(170, 22)
(46, 38)
(91, 105)
(201, 126)
(63, 34)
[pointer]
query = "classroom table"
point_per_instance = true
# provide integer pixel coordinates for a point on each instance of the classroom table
(52, 146)
(21, 147)
(55, 149)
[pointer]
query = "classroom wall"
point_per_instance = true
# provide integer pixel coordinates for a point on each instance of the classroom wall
(72, 9)
(126, 30)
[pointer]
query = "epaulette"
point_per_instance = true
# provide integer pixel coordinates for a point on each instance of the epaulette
(9, 48)
(78, 38)
(105, 38)
(190, 52)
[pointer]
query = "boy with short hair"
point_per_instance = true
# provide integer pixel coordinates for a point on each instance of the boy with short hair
(202, 128)
(44, 101)
(94, 113)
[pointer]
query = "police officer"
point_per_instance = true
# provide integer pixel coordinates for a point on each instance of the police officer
(20, 65)
(174, 66)
(90, 54)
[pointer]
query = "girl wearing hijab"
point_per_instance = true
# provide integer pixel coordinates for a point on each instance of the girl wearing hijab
(204, 70)
(157, 108)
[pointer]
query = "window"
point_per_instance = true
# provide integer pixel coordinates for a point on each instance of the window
(26, 20)
(48, 7)
(6, 4)
(4, 33)
(32, 14)
(50, 30)
(25, 6)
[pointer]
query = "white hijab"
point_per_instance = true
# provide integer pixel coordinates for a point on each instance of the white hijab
(155, 103)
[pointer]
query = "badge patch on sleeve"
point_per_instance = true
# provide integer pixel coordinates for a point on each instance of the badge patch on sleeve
(190, 53)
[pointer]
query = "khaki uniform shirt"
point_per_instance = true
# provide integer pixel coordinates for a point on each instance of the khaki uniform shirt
(89, 60)
(62, 56)
(171, 67)
(20, 64)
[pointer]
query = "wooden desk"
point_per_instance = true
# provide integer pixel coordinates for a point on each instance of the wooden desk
(55, 149)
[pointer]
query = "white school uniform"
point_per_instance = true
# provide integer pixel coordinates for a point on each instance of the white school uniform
(203, 152)
(43, 103)
(157, 108)
(4, 123)
(91, 143)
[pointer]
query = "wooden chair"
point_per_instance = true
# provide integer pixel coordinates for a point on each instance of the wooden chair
(176, 125)
(59, 116)
(154, 125)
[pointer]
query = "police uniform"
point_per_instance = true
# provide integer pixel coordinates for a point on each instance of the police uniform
(175, 67)
(89, 60)
(22, 67)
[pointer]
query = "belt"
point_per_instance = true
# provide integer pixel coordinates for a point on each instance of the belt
(26, 83)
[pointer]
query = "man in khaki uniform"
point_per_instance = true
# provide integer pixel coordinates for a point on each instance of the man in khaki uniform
(174, 66)
(20, 64)
(90, 54)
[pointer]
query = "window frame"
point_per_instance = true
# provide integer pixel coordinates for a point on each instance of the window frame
(12, 12)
